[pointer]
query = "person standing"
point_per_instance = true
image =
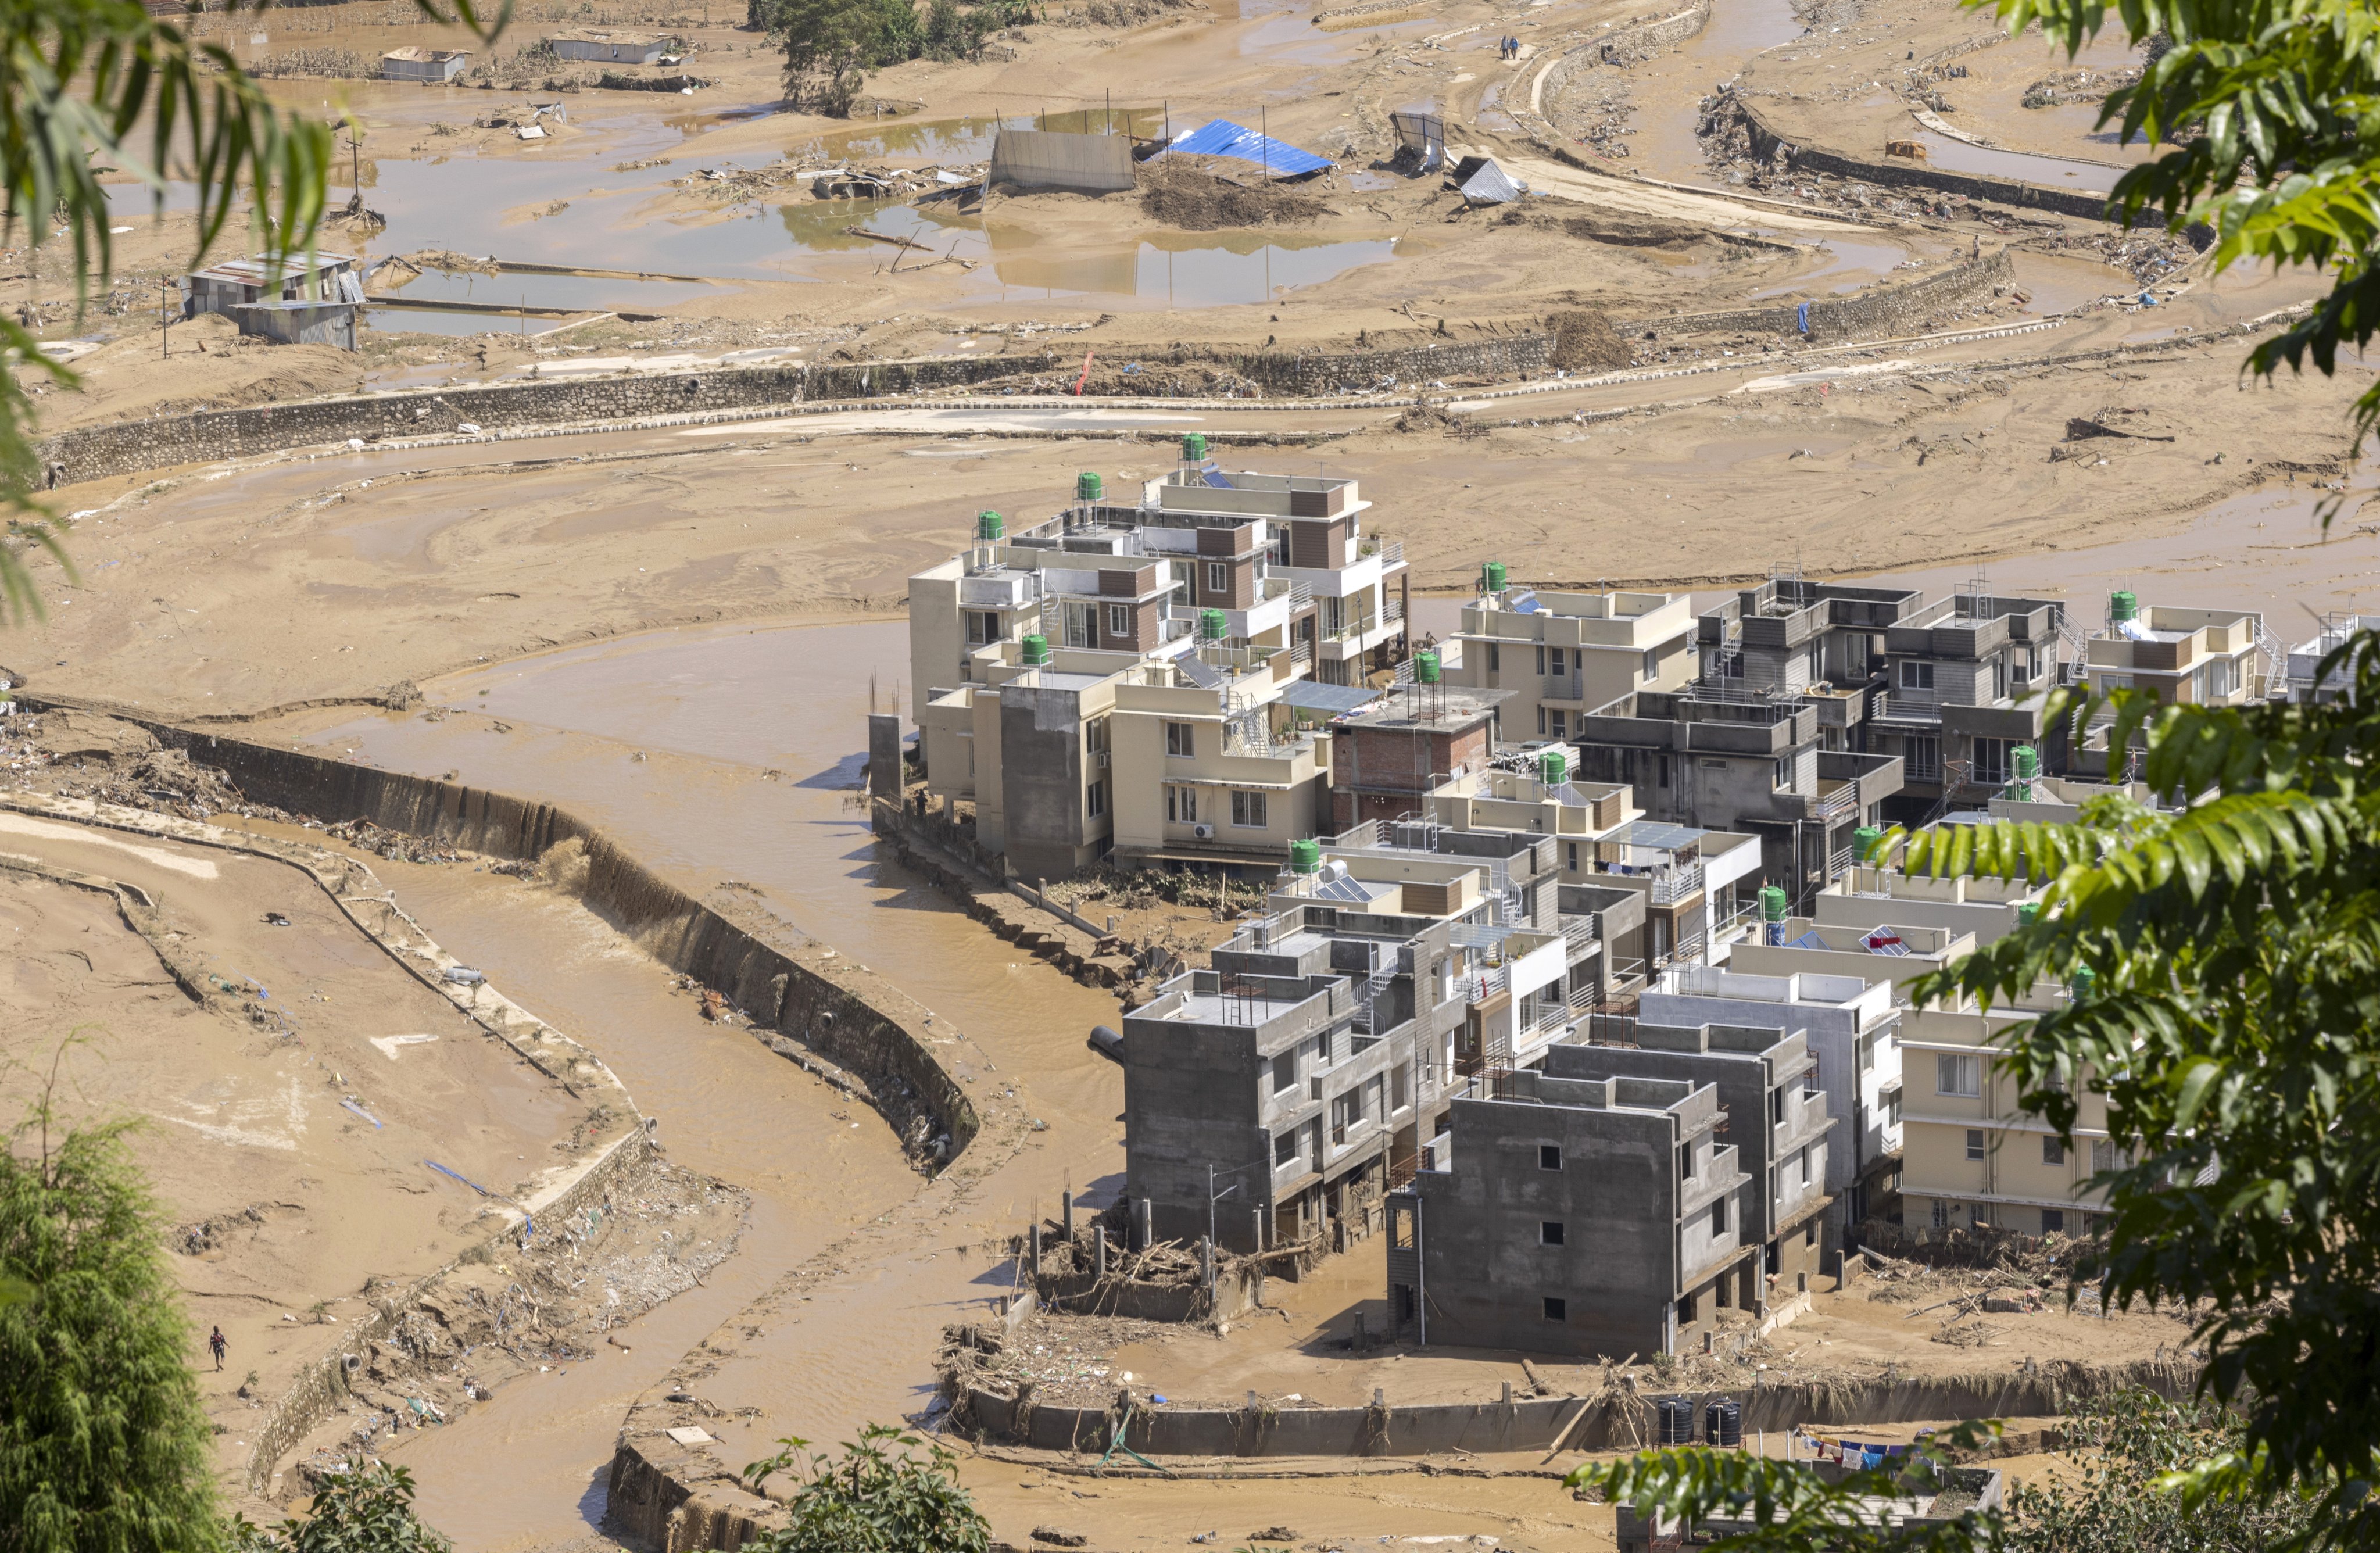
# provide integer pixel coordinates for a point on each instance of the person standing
(216, 1345)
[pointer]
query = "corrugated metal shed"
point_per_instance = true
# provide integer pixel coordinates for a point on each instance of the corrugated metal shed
(1222, 138)
(1046, 159)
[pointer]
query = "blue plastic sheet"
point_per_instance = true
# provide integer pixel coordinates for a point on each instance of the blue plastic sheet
(1222, 138)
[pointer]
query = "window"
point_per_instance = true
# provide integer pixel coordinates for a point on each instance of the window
(1958, 1075)
(1924, 758)
(1346, 1112)
(1181, 804)
(1376, 1089)
(1119, 620)
(1777, 1107)
(1892, 1109)
(1077, 625)
(2219, 679)
(1941, 1214)
(1783, 781)
(2053, 1151)
(982, 626)
(1285, 1071)
(1652, 662)
(1556, 1308)
(1219, 580)
(1719, 1216)
(1916, 675)
(1557, 724)
(1248, 810)
(1401, 1086)
(1992, 760)
(1182, 739)
(1999, 678)
(1810, 1232)
(1095, 799)
(2053, 1221)
(1285, 1148)
(1573, 856)
(1549, 1231)
(1975, 1143)
(1805, 1167)
(2105, 1156)
(1686, 1162)
(1548, 1156)
(1686, 1311)
(1495, 657)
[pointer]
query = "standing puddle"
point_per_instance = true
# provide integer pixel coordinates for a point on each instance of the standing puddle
(1957, 156)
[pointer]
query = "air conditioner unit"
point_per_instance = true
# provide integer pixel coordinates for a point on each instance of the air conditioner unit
(1204, 833)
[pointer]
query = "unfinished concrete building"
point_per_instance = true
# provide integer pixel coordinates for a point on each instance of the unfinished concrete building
(1559, 655)
(1719, 759)
(1780, 1123)
(1851, 1027)
(1962, 695)
(1590, 1217)
(1387, 758)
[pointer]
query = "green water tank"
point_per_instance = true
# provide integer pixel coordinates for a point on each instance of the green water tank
(1212, 626)
(1086, 487)
(2027, 912)
(1305, 858)
(1864, 842)
(1036, 651)
(1194, 448)
(1773, 905)
(1425, 668)
(2084, 979)
(1491, 577)
(2123, 604)
(2024, 762)
(1553, 767)
(987, 526)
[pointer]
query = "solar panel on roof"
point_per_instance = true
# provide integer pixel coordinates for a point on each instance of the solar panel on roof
(1660, 835)
(1335, 699)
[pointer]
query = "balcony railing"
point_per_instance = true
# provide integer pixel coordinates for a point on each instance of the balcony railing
(1563, 687)
(1902, 708)
(1676, 884)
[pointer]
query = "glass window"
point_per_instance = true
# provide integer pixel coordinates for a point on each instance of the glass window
(2053, 1151)
(1119, 620)
(1182, 739)
(1652, 662)
(1181, 804)
(1916, 675)
(1248, 810)
(1219, 580)
(1784, 774)
(1958, 1075)
(1975, 1143)
(1495, 657)
(1095, 799)
(2053, 1221)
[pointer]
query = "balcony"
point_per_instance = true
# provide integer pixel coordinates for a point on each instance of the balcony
(1903, 709)
(1672, 885)
(1562, 687)
(999, 590)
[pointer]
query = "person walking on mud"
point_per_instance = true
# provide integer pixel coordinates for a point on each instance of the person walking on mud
(216, 1345)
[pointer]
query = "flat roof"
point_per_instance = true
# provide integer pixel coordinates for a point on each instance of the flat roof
(258, 271)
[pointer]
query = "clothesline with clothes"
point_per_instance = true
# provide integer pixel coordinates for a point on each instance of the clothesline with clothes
(1856, 1454)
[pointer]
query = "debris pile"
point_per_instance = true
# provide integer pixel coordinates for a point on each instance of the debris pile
(1197, 199)
(394, 846)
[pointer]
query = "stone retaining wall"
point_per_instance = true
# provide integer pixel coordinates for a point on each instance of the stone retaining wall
(1766, 140)
(1306, 376)
(1884, 311)
(1614, 1420)
(94, 452)
(794, 992)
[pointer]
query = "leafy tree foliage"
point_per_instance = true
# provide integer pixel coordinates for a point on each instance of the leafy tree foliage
(879, 1495)
(2272, 111)
(832, 45)
(2122, 1447)
(102, 1445)
(366, 1510)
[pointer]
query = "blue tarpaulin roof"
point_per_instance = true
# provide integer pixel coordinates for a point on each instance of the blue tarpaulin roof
(1222, 138)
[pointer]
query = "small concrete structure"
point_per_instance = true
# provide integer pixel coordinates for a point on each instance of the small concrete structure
(606, 47)
(414, 63)
(304, 299)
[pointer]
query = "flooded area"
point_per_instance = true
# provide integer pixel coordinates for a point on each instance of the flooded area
(1957, 156)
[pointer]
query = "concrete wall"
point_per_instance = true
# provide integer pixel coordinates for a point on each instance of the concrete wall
(847, 1015)
(1767, 139)
(95, 452)
(1043, 828)
(1614, 1420)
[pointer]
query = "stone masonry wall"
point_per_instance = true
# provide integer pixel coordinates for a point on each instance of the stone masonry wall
(1522, 355)
(1767, 139)
(95, 452)
(1887, 310)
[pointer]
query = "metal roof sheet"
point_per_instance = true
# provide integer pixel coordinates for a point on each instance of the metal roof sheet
(1314, 696)
(1222, 138)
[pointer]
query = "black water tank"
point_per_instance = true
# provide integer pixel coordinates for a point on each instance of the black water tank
(1675, 1422)
(1723, 1423)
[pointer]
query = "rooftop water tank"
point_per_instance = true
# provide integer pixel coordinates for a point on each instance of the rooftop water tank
(1675, 1422)
(1723, 1423)
(1864, 842)
(1086, 487)
(1773, 909)
(1553, 767)
(2025, 762)
(2123, 604)
(1035, 653)
(2028, 913)
(1212, 626)
(986, 526)
(1304, 856)
(1425, 668)
(1491, 576)
(1194, 448)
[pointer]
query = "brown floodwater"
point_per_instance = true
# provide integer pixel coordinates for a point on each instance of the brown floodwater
(748, 739)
